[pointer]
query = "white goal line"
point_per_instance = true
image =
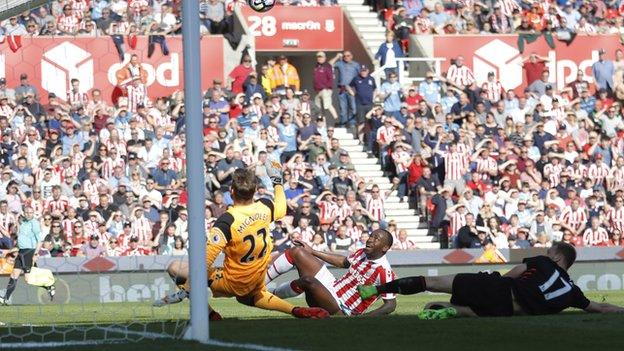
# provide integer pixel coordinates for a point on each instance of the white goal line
(146, 335)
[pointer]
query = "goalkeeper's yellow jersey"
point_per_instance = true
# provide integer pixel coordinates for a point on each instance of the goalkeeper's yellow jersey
(243, 234)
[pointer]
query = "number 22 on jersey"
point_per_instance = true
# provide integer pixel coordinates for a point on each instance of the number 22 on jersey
(261, 237)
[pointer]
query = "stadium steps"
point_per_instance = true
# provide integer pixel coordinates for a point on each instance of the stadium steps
(367, 24)
(370, 169)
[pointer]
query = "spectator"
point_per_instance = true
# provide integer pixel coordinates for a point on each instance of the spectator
(388, 53)
(283, 75)
(363, 88)
(602, 71)
(324, 84)
(240, 74)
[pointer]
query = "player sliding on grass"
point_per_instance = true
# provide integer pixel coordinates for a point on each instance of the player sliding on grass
(337, 296)
(540, 285)
(242, 233)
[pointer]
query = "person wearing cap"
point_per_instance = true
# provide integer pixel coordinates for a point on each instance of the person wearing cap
(253, 89)
(93, 248)
(363, 88)
(6, 91)
(283, 75)
(240, 73)
(25, 87)
(323, 81)
(602, 71)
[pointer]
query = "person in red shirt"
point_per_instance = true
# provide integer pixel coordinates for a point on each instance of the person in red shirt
(534, 66)
(240, 73)
(477, 184)
(412, 99)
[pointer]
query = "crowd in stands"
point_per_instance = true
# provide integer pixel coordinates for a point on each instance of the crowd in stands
(554, 20)
(484, 165)
(127, 18)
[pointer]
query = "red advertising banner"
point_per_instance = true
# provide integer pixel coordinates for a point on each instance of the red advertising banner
(295, 28)
(51, 63)
(500, 54)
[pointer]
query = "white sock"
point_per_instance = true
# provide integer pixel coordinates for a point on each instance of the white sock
(282, 264)
(286, 290)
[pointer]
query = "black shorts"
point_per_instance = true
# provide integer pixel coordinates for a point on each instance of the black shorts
(24, 259)
(487, 294)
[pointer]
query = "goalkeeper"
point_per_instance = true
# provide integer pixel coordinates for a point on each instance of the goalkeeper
(29, 239)
(243, 234)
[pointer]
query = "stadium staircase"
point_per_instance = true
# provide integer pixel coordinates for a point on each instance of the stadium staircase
(370, 169)
(366, 23)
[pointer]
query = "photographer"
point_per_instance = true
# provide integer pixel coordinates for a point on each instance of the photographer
(29, 240)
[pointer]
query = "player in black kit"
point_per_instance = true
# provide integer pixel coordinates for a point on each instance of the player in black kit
(540, 285)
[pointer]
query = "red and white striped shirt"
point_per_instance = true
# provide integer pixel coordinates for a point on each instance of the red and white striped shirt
(343, 212)
(598, 173)
(328, 210)
(494, 90)
(579, 174)
(60, 205)
(423, 25)
(553, 173)
(362, 271)
(598, 237)
(139, 251)
(454, 165)
(385, 135)
(77, 98)
(7, 220)
(485, 165)
(618, 177)
(404, 245)
(375, 207)
(68, 226)
(460, 75)
(108, 166)
(574, 219)
(306, 234)
(91, 188)
(136, 95)
(401, 161)
(616, 218)
(142, 229)
(6, 110)
(37, 206)
(68, 24)
(354, 233)
(507, 6)
(458, 220)
(79, 7)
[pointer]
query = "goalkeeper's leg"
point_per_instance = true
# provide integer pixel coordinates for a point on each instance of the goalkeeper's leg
(265, 300)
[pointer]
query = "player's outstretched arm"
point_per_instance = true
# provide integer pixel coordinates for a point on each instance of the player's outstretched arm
(335, 260)
(274, 171)
(597, 307)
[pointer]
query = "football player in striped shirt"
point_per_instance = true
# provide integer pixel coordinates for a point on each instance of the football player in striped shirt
(337, 296)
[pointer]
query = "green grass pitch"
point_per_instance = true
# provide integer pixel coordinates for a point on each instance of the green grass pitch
(400, 331)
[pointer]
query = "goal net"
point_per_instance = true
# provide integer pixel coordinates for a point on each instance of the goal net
(92, 135)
